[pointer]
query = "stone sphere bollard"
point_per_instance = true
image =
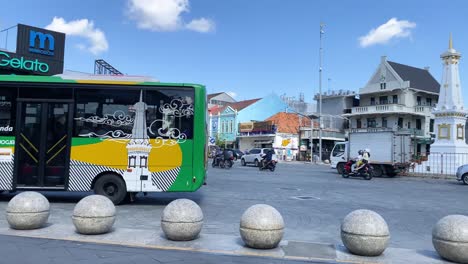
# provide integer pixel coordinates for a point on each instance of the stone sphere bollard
(261, 227)
(365, 233)
(28, 210)
(450, 238)
(93, 215)
(182, 220)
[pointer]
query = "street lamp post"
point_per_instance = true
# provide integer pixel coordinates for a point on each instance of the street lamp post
(320, 93)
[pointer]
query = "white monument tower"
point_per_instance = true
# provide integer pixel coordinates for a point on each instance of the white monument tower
(137, 175)
(450, 114)
(449, 150)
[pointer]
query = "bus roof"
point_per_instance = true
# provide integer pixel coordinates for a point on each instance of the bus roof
(91, 79)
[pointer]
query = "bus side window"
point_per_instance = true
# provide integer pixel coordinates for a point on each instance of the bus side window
(170, 113)
(7, 111)
(104, 112)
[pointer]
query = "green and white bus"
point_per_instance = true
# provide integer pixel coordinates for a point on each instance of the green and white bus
(116, 136)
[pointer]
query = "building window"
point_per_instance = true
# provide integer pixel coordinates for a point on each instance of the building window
(383, 86)
(372, 101)
(418, 149)
(358, 123)
(418, 124)
(409, 124)
(400, 122)
(431, 125)
(395, 99)
(371, 122)
(384, 122)
(383, 100)
(429, 101)
(418, 100)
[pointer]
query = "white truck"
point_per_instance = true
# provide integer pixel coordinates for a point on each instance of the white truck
(390, 152)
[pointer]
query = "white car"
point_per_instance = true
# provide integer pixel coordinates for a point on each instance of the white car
(254, 156)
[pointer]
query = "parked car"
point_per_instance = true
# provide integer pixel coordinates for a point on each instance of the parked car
(462, 173)
(254, 156)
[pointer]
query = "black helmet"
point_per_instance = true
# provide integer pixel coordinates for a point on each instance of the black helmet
(360, 152)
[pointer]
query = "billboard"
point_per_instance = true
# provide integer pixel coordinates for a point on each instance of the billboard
(38, 51)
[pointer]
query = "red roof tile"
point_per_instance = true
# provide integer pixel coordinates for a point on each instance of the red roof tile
(289, 122)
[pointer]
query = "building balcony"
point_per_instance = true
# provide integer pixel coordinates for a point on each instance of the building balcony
(326, 134)
(390, 109)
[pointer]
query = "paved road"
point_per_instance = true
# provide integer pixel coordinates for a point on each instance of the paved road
(38, 251)
(410, 206)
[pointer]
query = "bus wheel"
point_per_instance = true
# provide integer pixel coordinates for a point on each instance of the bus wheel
(111, 186)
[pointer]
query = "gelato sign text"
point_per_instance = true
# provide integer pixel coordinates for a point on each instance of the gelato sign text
(22, 63)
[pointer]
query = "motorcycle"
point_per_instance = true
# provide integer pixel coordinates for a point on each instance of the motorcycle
(267, 166)
(224, 160)
(365, 172)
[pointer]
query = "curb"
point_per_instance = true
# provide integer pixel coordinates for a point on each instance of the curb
(227, 245)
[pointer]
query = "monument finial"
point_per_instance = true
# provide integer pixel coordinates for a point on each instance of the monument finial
(450, 41)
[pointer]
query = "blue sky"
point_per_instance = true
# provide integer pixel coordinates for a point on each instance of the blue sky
(251, 48)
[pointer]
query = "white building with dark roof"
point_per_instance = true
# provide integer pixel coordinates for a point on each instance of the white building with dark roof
(398, 97)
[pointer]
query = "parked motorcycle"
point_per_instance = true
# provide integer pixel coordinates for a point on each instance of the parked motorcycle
(264, 165)
(365, 172)
(223, 160)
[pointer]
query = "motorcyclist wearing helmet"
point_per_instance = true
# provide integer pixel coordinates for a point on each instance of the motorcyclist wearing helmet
(365, 156)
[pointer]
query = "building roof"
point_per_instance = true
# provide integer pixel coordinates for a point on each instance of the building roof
(213, 95)
(288, 122)
(419, 79)
(236, 106)
(242, 104)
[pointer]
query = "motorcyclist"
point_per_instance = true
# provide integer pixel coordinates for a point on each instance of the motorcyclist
(365, 156)
(218, 156)
(358, 161)
(267, 158)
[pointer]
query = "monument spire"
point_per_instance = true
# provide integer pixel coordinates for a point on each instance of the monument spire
(450, 95)
(450, 42)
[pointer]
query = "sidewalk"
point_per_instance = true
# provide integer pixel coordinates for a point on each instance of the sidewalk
(37, 251)
(208, 248)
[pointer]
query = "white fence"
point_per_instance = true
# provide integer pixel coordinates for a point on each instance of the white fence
(438, 164)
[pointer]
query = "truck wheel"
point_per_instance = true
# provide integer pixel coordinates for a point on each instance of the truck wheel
(377, 171)
(340, 168)
(465, 178)
(111, 186)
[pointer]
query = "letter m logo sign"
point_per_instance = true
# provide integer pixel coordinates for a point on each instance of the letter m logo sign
(41, 43)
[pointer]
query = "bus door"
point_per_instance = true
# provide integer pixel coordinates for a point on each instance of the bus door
(42, 143)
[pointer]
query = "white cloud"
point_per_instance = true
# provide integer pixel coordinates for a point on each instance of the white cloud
(202, 25)
(165, 15)
(394, 28)
(82, 28)
(232, 94)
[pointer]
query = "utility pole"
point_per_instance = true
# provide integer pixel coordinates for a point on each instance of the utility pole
(322, 25)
